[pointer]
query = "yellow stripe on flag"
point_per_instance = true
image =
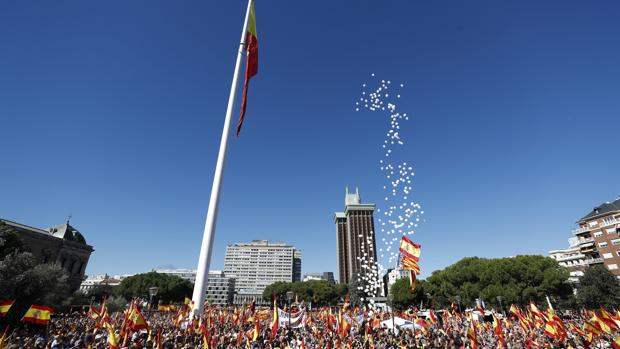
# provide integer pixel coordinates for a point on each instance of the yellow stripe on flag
(38, 315)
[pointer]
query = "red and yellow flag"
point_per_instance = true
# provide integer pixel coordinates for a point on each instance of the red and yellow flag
(3, 338)
(412, 279)
(5, 306)
(471, 335)
(616, 343)
(432, 317)
(158, 340)
(251, 63)
(273, 325)
(410, 264)
(112, 339)
(38, 314)
(497, 329)
(135, 320)
(166, 308)
(410, 249)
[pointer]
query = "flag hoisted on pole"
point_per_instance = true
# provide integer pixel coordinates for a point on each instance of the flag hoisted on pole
(248, 36)
(251, 62)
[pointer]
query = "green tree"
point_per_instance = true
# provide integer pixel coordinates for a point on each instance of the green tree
(516, 280)
(598, 287)
(170, 288)
(356, 290)
(319, 292)
(27, 282)
(9, 240)
(404, 297)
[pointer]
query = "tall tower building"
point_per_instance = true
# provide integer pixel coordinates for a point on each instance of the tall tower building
(355, 236)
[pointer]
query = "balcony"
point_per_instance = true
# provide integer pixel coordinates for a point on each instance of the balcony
(581, 230)
(594, 260)
(608, 223)
(570, 257)
(585, 240)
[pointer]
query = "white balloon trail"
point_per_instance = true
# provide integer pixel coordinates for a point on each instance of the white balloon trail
(399, 214)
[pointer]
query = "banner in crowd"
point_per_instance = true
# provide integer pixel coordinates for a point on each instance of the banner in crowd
(297, 320)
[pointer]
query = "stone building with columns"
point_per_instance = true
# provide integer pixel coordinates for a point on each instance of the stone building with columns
(61, 244)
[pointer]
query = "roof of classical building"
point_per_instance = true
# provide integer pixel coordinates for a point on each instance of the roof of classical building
(63, 231)
(67, 232)
(603, 209)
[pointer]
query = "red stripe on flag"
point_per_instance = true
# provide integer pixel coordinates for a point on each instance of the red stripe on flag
(251, 69)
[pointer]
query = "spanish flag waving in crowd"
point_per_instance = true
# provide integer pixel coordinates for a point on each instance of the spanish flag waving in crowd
(38, 314)
(5, 306)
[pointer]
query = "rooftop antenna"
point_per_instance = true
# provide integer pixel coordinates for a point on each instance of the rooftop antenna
(68, 218)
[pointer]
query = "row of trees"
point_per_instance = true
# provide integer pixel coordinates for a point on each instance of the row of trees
(505, 281)
(319, 292)
(170, 289)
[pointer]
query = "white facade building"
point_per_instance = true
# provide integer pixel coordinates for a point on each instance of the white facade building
(392, 276)
(92, 282)
(573, 258)
(258, 264)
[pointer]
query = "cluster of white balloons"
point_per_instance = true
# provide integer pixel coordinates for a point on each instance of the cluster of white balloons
(400, 215)
(370, 282)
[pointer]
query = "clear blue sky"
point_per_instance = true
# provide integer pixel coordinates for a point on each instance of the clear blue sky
(112, 111)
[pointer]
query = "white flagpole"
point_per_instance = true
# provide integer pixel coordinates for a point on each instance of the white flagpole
(202, 274)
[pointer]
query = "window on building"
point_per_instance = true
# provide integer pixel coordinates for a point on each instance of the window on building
(598, 233)
(612, 266)
(615, 242)
(602, 244)
(607, 255)
(618, 253)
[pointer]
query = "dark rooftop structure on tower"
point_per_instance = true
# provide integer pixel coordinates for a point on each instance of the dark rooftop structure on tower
(355, 236)
(602, 210)
(61, 244)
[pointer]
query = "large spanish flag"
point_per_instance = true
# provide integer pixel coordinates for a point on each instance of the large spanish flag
(251, 63)
(5, 306)
(409, 248)
(38, 314)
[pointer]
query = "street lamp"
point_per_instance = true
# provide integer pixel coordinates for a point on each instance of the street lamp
(499, 299)
(152, 293)
(391, 302)
(428, 295)
(458, 301)
(289, 296)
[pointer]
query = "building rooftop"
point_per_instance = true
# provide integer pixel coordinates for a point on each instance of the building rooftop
(62, 231)
(67, 232)
(601, 210)
(261, 243)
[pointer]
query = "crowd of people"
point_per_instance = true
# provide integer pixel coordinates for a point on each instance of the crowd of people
(332, 328)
